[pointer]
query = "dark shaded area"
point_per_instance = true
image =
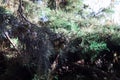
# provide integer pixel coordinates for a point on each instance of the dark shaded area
(3, 63)
(106, 65)
(58, 4)
(34, 55)
(17, 71)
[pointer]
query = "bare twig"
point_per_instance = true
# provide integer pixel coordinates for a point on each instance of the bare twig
(53, 66)
(55, 63)
(7, 36)
(21, 14)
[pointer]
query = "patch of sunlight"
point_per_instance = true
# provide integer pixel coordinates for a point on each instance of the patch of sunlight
(11, 55)
(96, 5)
(116, 15)
(87, 29)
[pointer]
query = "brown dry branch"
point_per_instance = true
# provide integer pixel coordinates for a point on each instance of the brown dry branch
(7, 36)
(21, 14)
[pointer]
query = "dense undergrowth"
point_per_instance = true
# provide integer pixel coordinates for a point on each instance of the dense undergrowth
(48, 43)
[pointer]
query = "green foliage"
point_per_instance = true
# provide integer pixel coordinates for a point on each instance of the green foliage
(108, 10)
(4, 11)
(56, 78)
(35, 77)
(71, 23)
(92, 44)
(95, 46)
